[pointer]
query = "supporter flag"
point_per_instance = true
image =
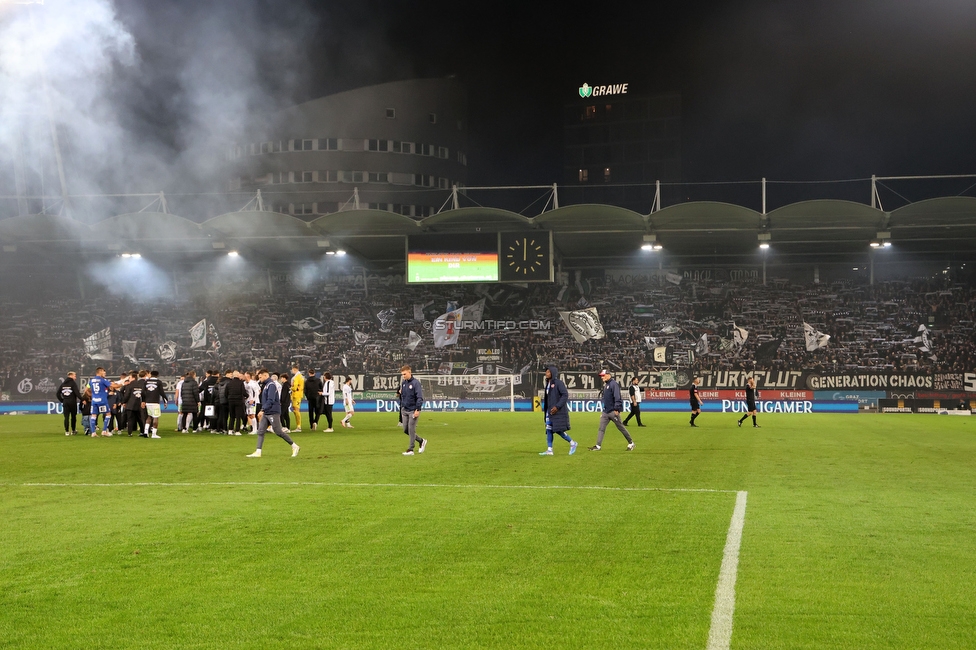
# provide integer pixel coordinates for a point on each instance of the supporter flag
(413, 340)
(198, 335)
(766, 352)
(815, 339)
(452, 305)
(99, 345)
(446, 328)
(320, 339)
(385, 318)
(129, 350)
(475, 312)
(673, 278)
(360, 337)
(650, 342)
(418, 311)
(583, 324)
(923, 339)
(664, 354)
(739, 336)
(167, 351)
(726, 345)
(214, 339)
(307, 324)
(701, 348)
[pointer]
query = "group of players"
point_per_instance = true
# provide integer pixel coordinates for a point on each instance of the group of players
(225, 403)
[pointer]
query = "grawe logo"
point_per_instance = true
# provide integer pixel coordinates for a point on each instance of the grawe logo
(587, 90)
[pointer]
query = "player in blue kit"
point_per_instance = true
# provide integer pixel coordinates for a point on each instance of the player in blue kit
(100, 386)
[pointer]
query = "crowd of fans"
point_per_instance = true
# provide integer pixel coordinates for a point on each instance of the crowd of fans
(343, 329)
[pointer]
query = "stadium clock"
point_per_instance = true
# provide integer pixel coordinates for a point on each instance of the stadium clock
(526, 257)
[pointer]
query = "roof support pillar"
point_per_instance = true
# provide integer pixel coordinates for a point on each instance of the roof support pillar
(454, 197)
(555, 197)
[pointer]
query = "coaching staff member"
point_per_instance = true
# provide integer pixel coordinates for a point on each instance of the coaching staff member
(612, 405)
(68, 394)
(411, 401)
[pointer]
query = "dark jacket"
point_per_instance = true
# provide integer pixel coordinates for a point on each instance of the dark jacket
(235, 391)
(556, 396)
(313, 389)
(411, 395)
(611, 397)
(221, 390)
(270, 400)
(68, 392)
(189, 395)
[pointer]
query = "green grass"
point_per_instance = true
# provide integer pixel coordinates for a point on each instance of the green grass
(860, 532)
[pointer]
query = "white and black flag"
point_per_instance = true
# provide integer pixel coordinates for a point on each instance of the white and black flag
(701, 348)
(99, 345)
(814, 339)
(923, 339)
(129, 350)
(583, 324)
(167, 351)
(198, 335)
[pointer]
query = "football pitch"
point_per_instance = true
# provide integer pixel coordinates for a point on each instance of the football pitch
(859, 531)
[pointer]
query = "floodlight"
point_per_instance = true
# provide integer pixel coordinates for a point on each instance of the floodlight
(647, 247)
(764, 245)
(340, 252)
(887, 244)
(875, 244)
(232, 254)
(330, 252)
(136, 255)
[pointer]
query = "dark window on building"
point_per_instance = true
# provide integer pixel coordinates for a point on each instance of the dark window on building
(277, 146)
(379, 177)
(433, 118)
(391, 113)
(606, 174)
(584, 175)
(328, 144)
(330, 176)
(306, 145)
(589, 112)
(306, 177)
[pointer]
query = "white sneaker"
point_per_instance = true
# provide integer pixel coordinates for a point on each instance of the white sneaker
(630, 447)
(294, 450)
(237, 433)
(408, 453)
(297, 430)
(252, 433)
(107, 434)
(256, 454)
(155, 436)
(349, 426)
(423, 445)
(547, 452)
(328, 431)
(67, 433)
(286, 429)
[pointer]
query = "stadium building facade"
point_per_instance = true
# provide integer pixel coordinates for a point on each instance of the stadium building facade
(616, 135)
(383, 147)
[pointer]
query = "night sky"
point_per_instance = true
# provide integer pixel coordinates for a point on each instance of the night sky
(787, 90)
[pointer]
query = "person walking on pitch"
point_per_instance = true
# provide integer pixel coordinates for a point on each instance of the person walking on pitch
(612, 405)
(297, 383)
(328, 399)
(555, 406)
(411, 401)
(635, 402)
(694, 400)
(750, 403)
(348, 403)
(270, 414)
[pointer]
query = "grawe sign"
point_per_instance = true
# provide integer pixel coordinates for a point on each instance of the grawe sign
(586, 90)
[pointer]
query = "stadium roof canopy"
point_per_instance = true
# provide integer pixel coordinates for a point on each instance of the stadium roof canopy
(583, 234)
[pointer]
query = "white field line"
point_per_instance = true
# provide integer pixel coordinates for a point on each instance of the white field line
(373, 485)
(720, 634)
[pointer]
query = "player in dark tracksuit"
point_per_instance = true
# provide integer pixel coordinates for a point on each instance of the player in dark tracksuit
(694, 400)
(153, 394)
(555, 402)
(750, 403)
(133, 403)
(68, 394)
(270, 414)
(411, 401)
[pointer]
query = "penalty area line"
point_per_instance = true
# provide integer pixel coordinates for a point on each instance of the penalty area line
(461, 486)
(720, 633)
